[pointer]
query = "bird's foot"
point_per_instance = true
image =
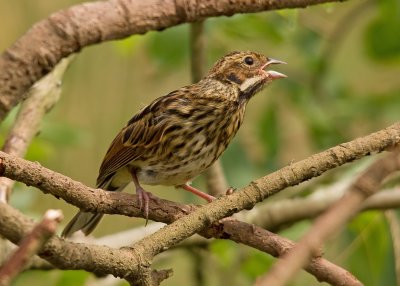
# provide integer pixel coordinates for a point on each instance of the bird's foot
(198, 193)
(143, 199)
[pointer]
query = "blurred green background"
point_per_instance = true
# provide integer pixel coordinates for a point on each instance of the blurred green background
(343, 82)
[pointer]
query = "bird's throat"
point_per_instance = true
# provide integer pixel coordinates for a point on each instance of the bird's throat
(250, 87)
(248, 83)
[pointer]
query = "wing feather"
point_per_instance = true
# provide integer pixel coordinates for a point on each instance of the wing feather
(143, 131)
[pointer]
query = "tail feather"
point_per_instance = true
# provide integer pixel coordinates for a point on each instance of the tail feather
(84, 221)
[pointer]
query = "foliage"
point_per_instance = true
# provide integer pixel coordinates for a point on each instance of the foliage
(343, 67)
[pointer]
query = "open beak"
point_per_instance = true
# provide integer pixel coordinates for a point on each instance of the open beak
(273, 74)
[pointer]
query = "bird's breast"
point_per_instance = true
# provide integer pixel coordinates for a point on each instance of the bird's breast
(189, 149)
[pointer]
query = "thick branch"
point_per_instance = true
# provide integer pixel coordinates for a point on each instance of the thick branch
(64, 254)
(95, 200)
(107, 202)
(331, 221)
(292, 211)
(127, 262)
(68, 31)
(285, 212)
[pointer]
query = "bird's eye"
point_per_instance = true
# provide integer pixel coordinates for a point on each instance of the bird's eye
(248, 61)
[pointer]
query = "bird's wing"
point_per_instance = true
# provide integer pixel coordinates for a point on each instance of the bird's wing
(143, 131)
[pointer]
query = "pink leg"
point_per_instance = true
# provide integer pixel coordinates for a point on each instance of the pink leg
(195, 191)
(143, 197)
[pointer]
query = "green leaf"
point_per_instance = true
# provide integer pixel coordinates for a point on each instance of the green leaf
(253, 26)
(382, 36)
(63, 134)
(75, 278)
(22, 198)
(369, 250)
(171, 47)
(238, 169)
(269, 133)
(127, 46)
(256, 264)
(226, 251)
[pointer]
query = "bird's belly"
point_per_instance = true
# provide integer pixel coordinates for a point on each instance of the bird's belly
(179, 158)
(181, 165)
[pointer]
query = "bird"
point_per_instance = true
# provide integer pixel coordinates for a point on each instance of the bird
(179, 135)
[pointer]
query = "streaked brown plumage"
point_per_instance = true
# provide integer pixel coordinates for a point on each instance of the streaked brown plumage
(179, 135)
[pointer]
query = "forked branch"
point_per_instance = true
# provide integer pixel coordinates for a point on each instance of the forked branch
(197, 219)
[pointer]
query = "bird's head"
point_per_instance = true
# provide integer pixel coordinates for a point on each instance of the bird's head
(248, 71)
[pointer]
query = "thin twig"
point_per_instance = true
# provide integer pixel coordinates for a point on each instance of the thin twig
(30, 245)
(330, 222)
(215, 178)
(40, 99)
(34, 263)
(198, 50)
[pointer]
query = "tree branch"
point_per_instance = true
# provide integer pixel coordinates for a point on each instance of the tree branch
(68, 255)
(125, 262)
(96, 200)
(331, 221)
(30, 245)
(34, 263)
(99, 201)
(279, 214)
(68, 31)
(40, 99)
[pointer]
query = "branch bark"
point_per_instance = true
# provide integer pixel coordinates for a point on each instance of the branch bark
(330, 222)
(197, 219)
(68, 255)
(40, 99)
(282, 213)
(30, 245)
(68, 31)
(97, 200)
(126, 262)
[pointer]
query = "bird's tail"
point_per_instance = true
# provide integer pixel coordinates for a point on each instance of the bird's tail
(84, 221)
